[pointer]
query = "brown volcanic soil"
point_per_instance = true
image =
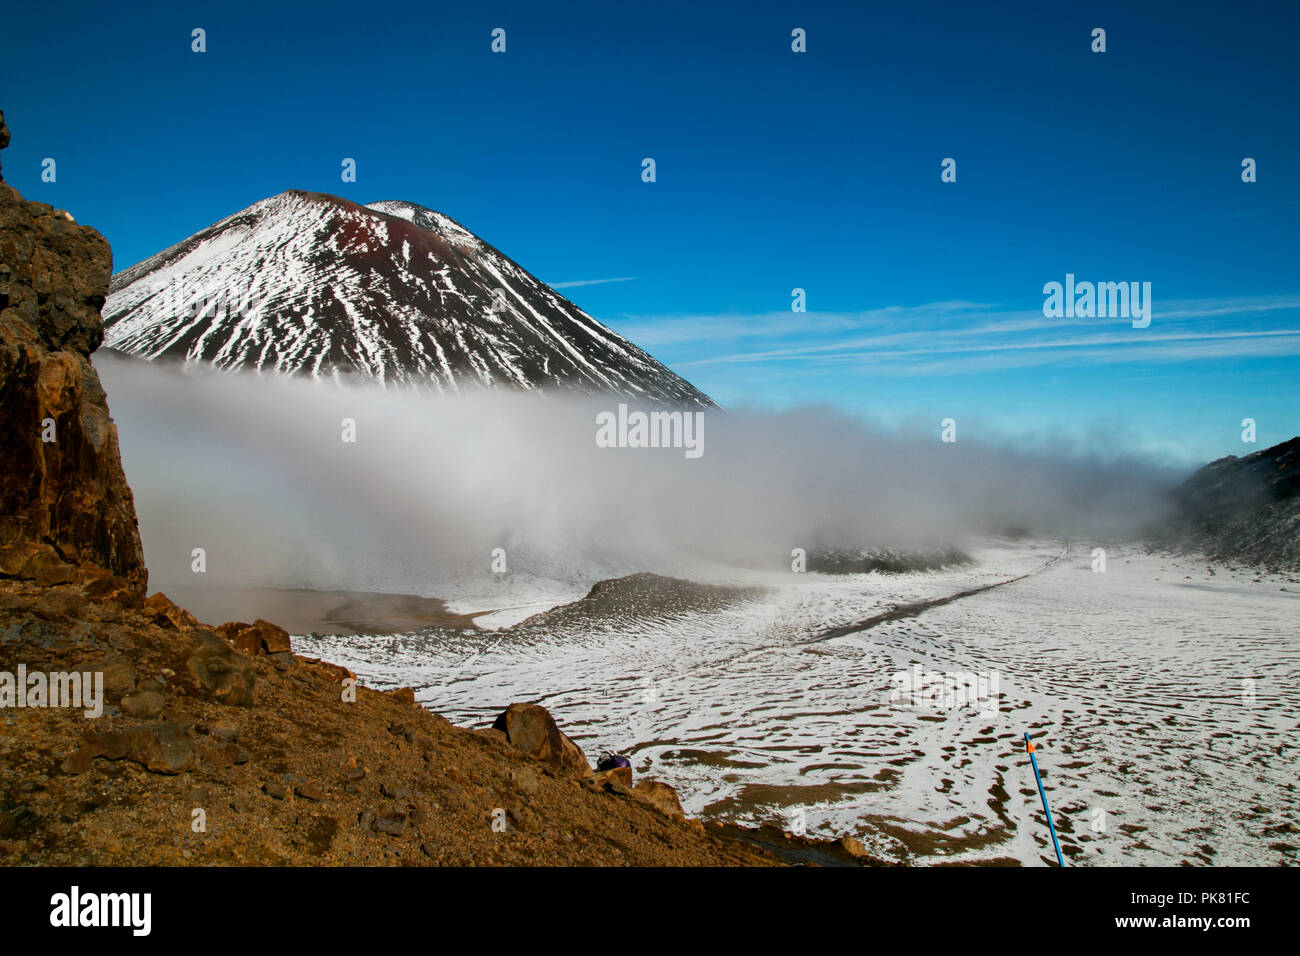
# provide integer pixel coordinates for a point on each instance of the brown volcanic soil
(307, 777)
(306, 611)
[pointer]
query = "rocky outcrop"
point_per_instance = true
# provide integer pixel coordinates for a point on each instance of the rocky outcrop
(531, 728)
(884, 560)
(66, 512)
(319, 771)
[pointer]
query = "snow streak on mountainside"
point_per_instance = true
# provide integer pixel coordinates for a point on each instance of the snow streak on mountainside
(306, 283)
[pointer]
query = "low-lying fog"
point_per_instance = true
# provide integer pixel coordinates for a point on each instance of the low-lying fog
(255, 470)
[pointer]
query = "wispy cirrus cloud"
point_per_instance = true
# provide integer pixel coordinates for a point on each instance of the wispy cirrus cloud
(968, 337)
(577, 282)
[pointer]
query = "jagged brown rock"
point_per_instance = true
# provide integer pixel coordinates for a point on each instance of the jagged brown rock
(660, 796)
(66, 511)
(124, 797)
(161, 748)
(260, 637)
(532, 729)
(226, 676)
(615, 777)
(165, 613)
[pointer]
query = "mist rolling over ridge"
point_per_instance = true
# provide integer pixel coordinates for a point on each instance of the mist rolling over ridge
(254, 470)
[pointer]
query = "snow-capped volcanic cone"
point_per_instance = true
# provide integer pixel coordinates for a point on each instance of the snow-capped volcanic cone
(306, 283)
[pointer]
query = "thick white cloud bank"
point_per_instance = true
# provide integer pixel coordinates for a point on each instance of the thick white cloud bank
(254, 470)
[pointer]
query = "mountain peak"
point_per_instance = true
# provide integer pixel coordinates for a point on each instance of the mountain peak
(312, 284)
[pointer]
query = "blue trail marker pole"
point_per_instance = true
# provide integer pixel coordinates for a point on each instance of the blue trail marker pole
(1029, 746)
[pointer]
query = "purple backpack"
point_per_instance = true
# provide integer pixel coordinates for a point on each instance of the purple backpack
(609, 761)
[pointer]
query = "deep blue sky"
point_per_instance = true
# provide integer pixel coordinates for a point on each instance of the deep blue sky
(776, 170)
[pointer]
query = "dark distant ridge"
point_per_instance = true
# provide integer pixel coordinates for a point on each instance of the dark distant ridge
(1244, 509)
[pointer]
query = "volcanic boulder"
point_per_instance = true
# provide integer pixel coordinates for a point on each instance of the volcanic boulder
(532, 729)
(660, 796)
(260, 637)
(225, 675)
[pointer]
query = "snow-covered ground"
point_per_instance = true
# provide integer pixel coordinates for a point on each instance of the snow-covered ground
(1135, 684)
